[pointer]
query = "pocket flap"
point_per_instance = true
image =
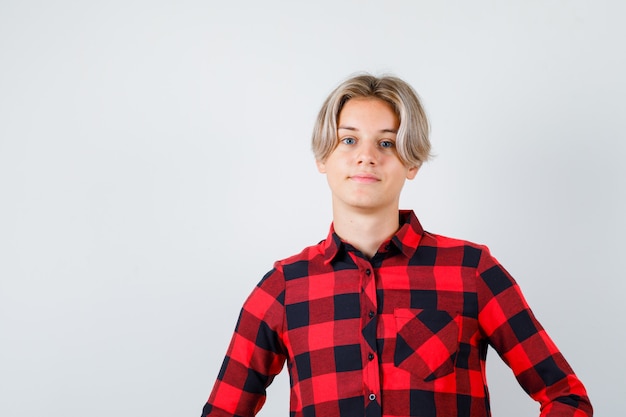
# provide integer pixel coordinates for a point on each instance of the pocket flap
(426, 342)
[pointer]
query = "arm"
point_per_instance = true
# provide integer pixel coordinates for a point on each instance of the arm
(514, 332)
(256, 353)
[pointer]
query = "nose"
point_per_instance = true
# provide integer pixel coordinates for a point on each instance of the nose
(366, 154)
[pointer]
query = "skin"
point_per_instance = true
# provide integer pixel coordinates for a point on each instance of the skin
(365, 175)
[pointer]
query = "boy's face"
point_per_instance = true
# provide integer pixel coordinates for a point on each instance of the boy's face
(364, 171)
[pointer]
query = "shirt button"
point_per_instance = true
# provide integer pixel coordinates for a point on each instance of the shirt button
(370, 356)
(372, 397)
(371, 314)
(368, 272)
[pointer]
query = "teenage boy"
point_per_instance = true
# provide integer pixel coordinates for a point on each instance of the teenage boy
(383, 318)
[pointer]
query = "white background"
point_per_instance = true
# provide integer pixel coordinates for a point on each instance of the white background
(154, 162)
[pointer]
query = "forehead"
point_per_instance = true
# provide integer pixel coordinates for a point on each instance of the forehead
(368, 111)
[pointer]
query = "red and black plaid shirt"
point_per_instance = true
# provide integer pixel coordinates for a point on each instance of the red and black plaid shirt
(404, 333)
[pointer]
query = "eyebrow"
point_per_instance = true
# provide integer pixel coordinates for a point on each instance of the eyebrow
(354, 129)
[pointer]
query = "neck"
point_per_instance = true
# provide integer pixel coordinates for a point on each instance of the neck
(366, 231)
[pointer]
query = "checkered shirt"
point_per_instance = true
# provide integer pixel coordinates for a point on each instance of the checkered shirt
(404, 333)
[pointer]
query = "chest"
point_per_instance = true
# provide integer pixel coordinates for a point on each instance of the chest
(365, 303)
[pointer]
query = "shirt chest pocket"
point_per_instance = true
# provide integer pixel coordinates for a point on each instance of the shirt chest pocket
(427, 341)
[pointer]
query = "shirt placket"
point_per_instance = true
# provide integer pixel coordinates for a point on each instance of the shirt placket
(369, 352)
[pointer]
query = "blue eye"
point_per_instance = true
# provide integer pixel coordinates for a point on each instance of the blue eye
(348, 141)
(386, 144)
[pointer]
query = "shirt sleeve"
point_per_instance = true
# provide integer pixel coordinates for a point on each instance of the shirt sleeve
(514, 332)
(256, 353)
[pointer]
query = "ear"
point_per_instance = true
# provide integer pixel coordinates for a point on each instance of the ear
(321, 166)
(412, 172)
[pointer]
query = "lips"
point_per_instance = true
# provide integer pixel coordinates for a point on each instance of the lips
(364, 178)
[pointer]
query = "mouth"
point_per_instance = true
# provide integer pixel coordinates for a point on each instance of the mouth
(364, 178)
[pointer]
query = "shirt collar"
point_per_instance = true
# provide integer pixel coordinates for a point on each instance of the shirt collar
(406, 239)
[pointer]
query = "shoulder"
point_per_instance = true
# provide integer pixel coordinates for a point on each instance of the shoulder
(491, 277)
(447, 242)
(442, 241)
(307, 254)
(458, 251)
(299, 264)
(294, 266)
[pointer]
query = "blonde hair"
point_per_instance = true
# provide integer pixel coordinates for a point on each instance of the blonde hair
(412, 141)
